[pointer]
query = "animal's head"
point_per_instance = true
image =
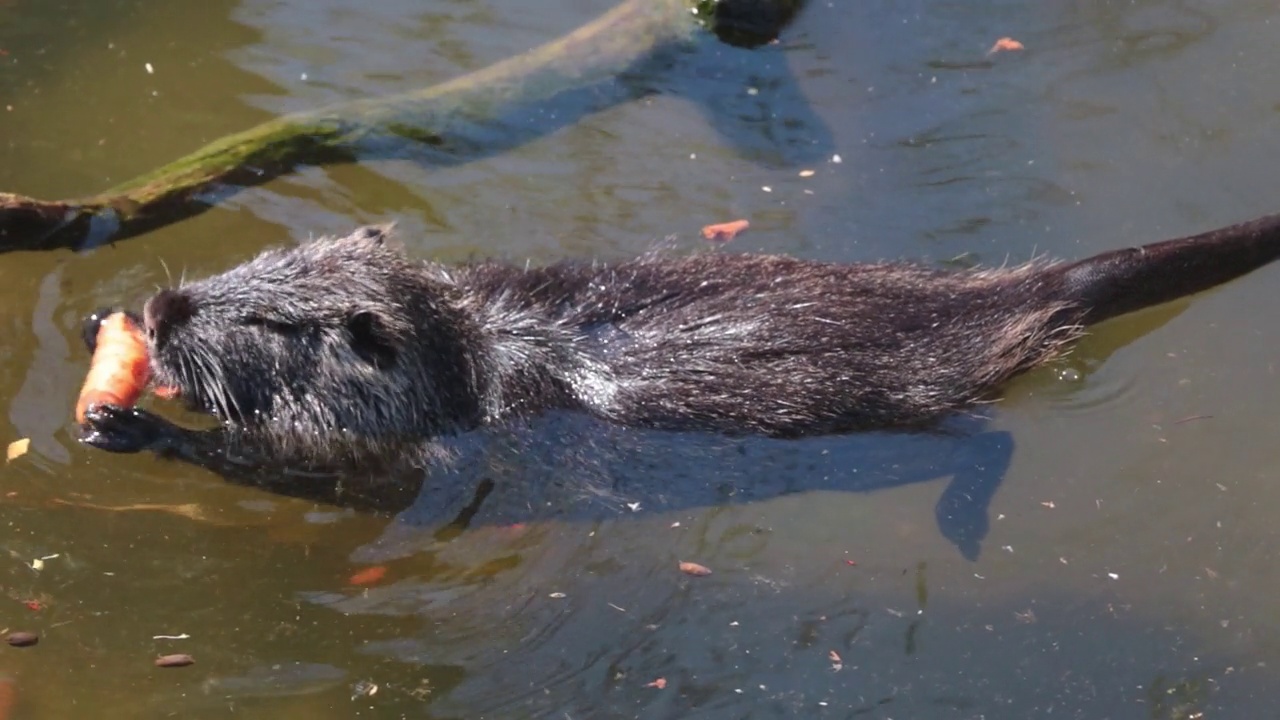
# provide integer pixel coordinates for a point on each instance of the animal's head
(330, 347)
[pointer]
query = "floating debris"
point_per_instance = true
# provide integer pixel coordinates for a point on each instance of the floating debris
(1005, 44)
(726, 231)
(693, 568)
(364, 688)
(17, 449)
(174, 661)
(369, 575)
(22, 639)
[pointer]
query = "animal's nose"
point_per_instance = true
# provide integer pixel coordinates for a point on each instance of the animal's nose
(163, 311)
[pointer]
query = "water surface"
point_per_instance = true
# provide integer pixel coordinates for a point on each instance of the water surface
(1130, 489)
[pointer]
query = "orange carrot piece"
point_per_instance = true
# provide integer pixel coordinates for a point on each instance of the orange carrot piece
(119, 369)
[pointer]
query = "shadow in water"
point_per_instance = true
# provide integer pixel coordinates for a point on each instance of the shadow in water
(572, 468)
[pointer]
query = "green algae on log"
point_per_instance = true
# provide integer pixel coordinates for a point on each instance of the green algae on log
(602, 49)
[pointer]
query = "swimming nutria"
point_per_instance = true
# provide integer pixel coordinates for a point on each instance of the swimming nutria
(346, 353)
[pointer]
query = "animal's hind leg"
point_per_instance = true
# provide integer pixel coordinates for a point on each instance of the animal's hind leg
(963, 509)
(452, 493)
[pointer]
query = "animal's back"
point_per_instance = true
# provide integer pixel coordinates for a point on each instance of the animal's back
(782, 346)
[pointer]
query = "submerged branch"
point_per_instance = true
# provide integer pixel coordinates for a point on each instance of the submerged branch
(437, 117)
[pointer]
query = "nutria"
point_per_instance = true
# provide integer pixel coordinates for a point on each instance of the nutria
(345, 353)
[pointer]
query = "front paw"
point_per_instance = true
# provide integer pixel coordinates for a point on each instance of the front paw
(123, 430)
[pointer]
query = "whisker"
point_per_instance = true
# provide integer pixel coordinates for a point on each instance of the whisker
(226, 400)
(201, 383)
(168, 276)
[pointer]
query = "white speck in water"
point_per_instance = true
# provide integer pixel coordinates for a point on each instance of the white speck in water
(150, 70)
(753, 91)
(837, 159)
(1113, 576)
(766, 188)
(693, 156)
(1070, 375)
(303, 76)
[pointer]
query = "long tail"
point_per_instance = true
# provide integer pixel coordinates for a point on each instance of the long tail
(1122, 281)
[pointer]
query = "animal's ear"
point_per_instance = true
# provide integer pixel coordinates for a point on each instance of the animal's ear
(372, 340)
(375, 234)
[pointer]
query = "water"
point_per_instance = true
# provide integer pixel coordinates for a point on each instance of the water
(1129, 490)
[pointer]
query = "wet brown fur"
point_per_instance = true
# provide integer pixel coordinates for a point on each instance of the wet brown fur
(345, 350)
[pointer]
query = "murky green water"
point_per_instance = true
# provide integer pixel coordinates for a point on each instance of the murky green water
(1128, 568)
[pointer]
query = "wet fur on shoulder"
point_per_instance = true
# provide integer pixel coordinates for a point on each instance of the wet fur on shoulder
(344, 350)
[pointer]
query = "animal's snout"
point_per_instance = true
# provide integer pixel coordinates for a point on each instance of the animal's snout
(163, 311)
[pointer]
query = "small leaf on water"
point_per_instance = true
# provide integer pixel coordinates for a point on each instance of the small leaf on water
(1005, 44)
(369, 575)
(17, 449)
(724, 232)
(693, 568)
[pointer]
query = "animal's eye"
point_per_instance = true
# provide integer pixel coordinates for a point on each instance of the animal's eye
(276, 326)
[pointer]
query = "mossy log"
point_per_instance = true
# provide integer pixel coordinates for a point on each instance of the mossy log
(603, 49)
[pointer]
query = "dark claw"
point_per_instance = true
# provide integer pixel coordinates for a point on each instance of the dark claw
(89, 326)
(123, 430)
